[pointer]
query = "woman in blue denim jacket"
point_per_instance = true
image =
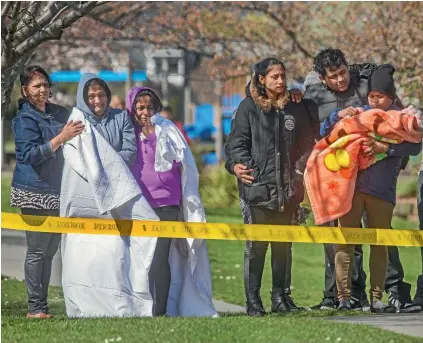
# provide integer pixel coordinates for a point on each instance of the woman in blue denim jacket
(40, 129)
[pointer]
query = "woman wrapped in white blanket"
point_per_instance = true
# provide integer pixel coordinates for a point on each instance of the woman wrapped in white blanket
(167, 174)
(103, 275)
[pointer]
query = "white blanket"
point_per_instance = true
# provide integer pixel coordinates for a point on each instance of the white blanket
(108, 275)
(191, 284)
(103, 275)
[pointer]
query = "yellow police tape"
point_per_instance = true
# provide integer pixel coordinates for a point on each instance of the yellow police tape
(278, 233)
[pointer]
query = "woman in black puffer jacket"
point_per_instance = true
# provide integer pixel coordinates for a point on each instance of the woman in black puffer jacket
(273, 138)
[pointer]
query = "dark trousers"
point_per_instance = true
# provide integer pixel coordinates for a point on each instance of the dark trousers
(255, 255)
(419, 291)
(42, 247)
(160, 270)
(395, 273)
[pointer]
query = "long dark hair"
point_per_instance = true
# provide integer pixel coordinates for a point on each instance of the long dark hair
(262, 68)
(25, 78)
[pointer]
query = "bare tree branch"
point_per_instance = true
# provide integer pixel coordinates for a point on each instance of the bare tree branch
(58, 14)
(5, 10)
(15, 21)
(54, 30)
(261, 7)
(29, 17)
(132, 13)
(49, 11)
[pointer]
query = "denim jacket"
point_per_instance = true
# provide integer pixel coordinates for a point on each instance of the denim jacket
(38, 168)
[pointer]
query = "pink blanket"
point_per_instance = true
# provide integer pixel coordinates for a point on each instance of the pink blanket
(332, 168)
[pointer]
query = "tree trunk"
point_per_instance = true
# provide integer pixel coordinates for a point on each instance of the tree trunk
(9, 74)
(3, 150)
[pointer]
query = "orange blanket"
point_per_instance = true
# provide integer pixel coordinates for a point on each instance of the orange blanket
(332, 168)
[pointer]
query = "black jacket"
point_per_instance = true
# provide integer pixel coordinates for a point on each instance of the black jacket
(276, 142)
(328, 100)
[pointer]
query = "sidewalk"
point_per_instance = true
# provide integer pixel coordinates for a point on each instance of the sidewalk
(408, 324)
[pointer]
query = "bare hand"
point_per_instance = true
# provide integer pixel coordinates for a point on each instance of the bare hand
(71, 130)
(374, 147)
(296, 95)
(242, 173)
(349, 112)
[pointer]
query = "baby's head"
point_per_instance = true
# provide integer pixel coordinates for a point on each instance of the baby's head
(381, 90)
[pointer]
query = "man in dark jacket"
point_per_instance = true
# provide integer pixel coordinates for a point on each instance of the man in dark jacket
(273, 138)
(335, 85)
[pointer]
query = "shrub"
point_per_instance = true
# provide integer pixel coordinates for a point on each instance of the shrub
(218, 188)
(407, 189)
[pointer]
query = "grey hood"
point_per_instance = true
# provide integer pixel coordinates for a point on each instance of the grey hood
(80, 101)
(312, 78)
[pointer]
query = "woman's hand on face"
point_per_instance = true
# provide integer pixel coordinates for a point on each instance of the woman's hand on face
(71, 129)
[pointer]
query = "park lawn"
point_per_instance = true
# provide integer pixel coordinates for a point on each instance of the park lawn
(228, 328)
(6, 181)
(226, 259)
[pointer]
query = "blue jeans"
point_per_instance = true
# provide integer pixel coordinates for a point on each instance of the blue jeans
(42, 247)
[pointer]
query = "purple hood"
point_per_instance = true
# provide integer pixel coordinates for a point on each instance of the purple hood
(132, 94)
(129, 104)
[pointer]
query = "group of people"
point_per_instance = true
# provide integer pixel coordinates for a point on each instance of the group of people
(272, 150)
(104, 162)
(134, 163)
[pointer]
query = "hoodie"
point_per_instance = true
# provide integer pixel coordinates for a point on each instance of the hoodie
(115, 126)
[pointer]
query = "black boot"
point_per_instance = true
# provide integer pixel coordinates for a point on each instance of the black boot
(254, 257)
(255, 307)
(292, 306)
(279, 304)
(281, 276)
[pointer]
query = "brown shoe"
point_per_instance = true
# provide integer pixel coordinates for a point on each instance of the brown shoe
(41, 315)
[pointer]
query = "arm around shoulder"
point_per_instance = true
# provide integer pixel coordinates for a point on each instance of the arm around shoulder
(129, 146)
(238, 145)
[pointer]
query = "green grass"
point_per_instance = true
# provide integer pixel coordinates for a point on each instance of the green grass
(226, 259)
(231, 328)
(6, 181)
(227, 269)
(404, 224)
(407, 188)
(307, 271)
(308, 260)
(9, 146)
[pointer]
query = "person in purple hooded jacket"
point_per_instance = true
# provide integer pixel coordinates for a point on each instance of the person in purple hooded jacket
(161, 189)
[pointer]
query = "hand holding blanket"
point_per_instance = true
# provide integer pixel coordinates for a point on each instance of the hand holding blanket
(332, 168)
